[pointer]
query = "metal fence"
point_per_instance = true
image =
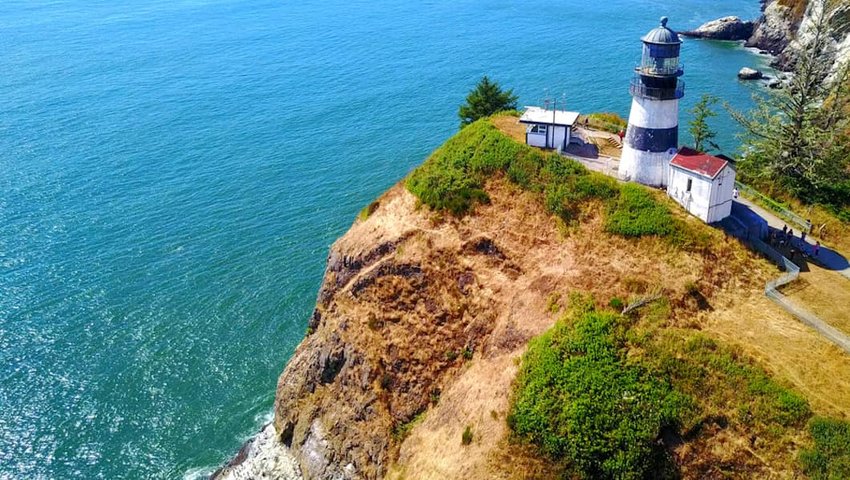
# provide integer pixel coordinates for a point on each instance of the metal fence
(791, 273)
(772, 205)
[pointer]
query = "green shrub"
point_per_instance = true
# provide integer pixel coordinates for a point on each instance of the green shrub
(700, 367)
(829, 458)
(467, 353)
(466, 438)
(636, 213)
(452, 178)
(402, 430)
(617, 304)
(579, 400)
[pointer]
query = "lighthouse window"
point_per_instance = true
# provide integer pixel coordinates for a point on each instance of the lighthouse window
(690, 184)
(541, 129)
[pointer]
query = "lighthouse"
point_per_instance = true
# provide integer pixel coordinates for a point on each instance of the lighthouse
(653, 132)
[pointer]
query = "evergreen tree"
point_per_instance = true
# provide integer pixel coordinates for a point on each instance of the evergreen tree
(701, 132)
(797, 137)
(484, 100)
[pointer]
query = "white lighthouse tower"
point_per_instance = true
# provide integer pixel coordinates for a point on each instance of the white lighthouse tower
(653, 132)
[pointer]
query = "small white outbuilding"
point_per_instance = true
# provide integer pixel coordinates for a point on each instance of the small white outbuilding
(548, 128)
(702, 183)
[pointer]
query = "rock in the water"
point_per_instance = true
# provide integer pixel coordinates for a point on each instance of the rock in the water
(748, 73)
(775, 84)
(726, 28)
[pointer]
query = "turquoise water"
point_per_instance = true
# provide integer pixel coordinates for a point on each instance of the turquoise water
(173, 172)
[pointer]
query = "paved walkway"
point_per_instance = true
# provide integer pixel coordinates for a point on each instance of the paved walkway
(827, 258)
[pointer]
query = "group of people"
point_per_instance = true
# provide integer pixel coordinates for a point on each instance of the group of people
(787, 238)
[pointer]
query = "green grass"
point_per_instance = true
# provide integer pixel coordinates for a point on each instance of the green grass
(636, 213)
(596, 391)
(829, 458)
(579, 400)
(609, 122)
(403, 429)
(723, 381)
(452, 179)
(467, 436)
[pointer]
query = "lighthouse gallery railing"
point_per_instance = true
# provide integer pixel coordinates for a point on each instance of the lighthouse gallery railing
(638, 89)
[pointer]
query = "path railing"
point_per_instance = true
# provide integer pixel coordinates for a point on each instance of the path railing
(791, 273)
(772, 205)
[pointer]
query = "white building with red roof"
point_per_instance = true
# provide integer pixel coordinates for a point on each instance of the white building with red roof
(702, 183)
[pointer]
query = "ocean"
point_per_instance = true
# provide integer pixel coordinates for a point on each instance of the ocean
(172, 173)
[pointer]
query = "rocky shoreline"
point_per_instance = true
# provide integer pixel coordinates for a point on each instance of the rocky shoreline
(263, 456)
(775, 33)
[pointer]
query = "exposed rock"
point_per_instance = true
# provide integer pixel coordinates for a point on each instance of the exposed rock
(264, 456)
(726, 28)
(775, 84)
(774, 30)
(748, 73)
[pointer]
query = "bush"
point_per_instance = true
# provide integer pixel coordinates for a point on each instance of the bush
(580, 401)
(636, 213)
(829, 458)
(452, 178)
(466, 438)
(617, 304)
(720, 377)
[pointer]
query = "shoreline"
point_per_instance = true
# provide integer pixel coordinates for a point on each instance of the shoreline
(260, 456)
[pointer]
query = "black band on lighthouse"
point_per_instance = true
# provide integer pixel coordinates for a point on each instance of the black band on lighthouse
(654, 140)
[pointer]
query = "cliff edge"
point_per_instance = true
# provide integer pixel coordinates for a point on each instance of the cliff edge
(410, 358)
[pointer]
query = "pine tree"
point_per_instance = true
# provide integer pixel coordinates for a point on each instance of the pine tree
(796, 138)
(484, 100)
(701, 132)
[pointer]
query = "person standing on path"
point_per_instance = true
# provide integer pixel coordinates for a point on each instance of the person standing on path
(817, 247)
(784, 229)
(803, 237)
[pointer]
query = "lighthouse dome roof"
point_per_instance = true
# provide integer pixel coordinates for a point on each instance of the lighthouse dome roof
(662, 34)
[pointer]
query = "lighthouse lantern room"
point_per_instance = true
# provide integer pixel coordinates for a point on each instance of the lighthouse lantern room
(653, 132)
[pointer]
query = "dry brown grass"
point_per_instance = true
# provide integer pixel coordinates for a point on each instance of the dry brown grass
(496, 299)
(510, 126)
(787, 348)
(584, 258)
(825, 293)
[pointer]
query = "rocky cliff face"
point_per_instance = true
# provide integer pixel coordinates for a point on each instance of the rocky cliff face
(784, 23)
(425, 313)
(776, 28)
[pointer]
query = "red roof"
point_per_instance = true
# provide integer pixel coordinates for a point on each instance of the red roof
(698, 162)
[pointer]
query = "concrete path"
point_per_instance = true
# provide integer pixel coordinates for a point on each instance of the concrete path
(827, 258)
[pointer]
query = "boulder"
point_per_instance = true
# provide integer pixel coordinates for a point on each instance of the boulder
(748, 73)
(726, 28)
(775, 84)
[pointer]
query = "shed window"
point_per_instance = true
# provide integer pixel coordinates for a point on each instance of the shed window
(690, 184)
(541, 129)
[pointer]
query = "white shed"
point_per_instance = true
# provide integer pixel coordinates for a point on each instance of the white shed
(548, 128)
(702, 183)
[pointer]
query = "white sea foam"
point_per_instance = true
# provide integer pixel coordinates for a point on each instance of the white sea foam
(265, 457)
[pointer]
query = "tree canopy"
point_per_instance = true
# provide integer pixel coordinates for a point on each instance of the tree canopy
(484, 100)
(798, 137)
(701, 132)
